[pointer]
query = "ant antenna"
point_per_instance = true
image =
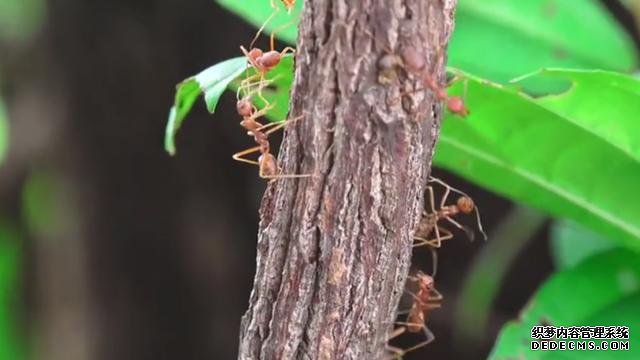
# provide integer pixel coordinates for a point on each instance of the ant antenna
(255, 38)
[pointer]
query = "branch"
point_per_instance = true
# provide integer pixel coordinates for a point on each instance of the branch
(334, 249)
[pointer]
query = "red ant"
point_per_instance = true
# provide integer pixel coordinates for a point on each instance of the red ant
(424, 301)
(267, 163)
(429, 221)
(288, 4)
(414, 63)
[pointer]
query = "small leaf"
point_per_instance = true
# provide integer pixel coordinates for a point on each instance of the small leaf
(600, 285)
(215, 79)
(519, 147)
(212, 83)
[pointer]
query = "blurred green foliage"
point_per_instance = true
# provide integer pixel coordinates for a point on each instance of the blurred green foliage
(484, 280)
(19, 19)
(604, 288)
(560, 140)
(44, 206)
(11, 346)
(4, 131)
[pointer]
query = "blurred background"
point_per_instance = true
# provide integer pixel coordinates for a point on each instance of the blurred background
(110, 248)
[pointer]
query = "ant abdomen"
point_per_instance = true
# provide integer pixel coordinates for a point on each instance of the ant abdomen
(269, 60)
(268, 165)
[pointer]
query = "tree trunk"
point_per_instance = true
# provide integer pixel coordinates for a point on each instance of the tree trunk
(334, 249)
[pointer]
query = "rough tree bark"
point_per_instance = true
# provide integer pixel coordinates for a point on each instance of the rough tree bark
(334, 249)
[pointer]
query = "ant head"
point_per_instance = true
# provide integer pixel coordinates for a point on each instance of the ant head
(244, 107)
(387, 62)
(456, 106)
(268, 165)
(255, 53)
(412, 59)
(465, 204)
(269, 60)
(424, 280)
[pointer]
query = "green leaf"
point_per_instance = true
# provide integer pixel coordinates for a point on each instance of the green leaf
(601, 102)
(257, 12)
(501, 39)
(572, 243)
(4, 131)
(598, 289)
(212, 83)
(518, 147)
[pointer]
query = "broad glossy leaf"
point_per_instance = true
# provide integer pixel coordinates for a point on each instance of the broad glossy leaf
(501, 39)
(601, 102)
(572, 243)
(4, 131)
(517, 147)
(212, 82)
(577, 296)
(257, 12)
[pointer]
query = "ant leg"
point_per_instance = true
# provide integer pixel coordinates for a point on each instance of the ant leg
(397, 332)
(284, 176)
(239, 155)
(279, 125)
(287, 50)
(444, 197)
(437, 296)
(396, 352)
(275, 126)
(429, 339)
(432, 200)
(447, 235)
(272, 37)
(434, 261)
(436, 242)
(420, 241)
(466, 230)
